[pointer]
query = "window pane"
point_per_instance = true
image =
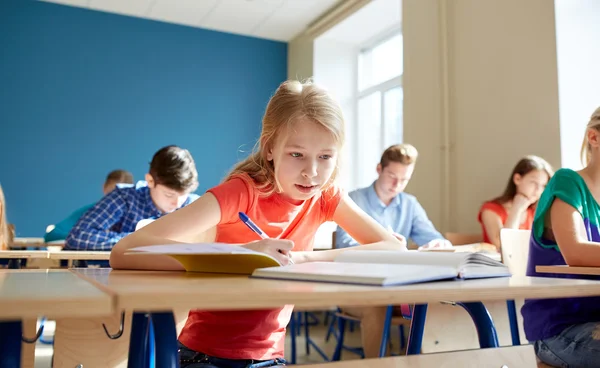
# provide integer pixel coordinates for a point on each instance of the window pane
(393, 116)
(381, 63)
(368, 148)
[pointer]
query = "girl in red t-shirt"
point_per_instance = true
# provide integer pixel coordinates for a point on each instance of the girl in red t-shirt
(287, 187)
(515, 208)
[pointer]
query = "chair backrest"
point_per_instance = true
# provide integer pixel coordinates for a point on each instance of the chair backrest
(515, 249)
(463, 238)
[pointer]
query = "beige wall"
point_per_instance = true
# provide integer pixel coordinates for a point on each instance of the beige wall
(301, 57)
(497, 93)
(480, 91)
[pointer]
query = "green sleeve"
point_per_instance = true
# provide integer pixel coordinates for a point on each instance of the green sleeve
(569, 187)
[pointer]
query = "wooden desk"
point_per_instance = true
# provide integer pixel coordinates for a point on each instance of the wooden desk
(23, 254)
(153, 290)
(518, 356)
(18, 243)
(57, 293)
(80, 255)
(181, 291)
(27, 294)
(569, 270)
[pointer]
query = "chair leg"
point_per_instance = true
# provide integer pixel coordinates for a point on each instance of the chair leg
(385, 336)
(306, 333)
(138, 341)
(351, 326)
(486, 331)
(337, 354)
(402, 337)
(164, 330)
(514, 322)
(331, 328)
(417, 326)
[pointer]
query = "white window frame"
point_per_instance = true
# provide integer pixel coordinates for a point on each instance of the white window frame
(382, 87)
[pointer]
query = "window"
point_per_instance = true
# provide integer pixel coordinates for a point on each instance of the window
(379, 105)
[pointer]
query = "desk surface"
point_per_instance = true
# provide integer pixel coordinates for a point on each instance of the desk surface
(81, 255)
(22, 254)
(569, 270)
(155, 290)
(56, 293)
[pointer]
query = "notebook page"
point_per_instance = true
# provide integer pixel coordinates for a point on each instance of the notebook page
(455, 260)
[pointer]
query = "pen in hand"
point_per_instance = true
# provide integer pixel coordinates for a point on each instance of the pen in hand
(252, 226)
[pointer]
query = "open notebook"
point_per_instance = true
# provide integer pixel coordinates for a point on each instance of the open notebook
(385, 268)
(212, 257)
(356, 266)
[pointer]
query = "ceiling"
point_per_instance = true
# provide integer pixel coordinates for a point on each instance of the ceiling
(373, 19)
(279, 20)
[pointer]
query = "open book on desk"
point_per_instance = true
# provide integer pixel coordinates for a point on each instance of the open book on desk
(384, 268)
(211, 257)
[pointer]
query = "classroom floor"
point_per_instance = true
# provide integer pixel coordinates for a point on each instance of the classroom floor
(43, 352)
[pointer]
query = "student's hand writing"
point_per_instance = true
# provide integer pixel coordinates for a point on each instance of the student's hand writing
(276, 248)
(401, 238)
(438, 244)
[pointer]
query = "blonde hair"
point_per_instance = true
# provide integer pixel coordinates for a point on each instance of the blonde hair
(4, 232)
(586, 148)
(292, 102)
(404, 153)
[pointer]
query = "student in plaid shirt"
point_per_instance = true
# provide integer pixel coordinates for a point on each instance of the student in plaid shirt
(169, 182)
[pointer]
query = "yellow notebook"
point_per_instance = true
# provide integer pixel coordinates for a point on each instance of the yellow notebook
(212, 257)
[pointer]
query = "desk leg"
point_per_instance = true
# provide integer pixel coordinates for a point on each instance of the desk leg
(417, 326)
(514, 322)
(139, 340)
(165, 335)
(486, 331)
(10, 344)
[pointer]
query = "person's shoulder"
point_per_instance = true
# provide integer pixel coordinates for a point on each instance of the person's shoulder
(236, 183)
(332, 191)
(491, 205)
(360, 192)
(566, 176)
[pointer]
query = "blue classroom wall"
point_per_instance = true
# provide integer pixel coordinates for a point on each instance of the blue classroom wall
(85, 92)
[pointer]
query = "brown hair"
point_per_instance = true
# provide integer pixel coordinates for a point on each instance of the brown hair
(404, 153)
(292, 102)
(119, 176)
(174, 168)
(525, 165)
(586, 149)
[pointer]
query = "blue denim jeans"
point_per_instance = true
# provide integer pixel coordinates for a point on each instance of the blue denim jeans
(189, 358)
(577, 346)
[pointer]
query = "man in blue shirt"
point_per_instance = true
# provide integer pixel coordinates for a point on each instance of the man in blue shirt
(387, 203)
(169, 182)
(401, 214)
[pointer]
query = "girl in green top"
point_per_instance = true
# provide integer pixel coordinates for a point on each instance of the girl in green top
(566, 332)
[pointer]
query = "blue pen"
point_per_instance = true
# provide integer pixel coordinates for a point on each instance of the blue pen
(246, 220)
